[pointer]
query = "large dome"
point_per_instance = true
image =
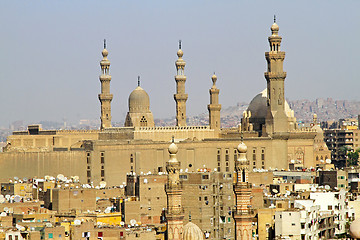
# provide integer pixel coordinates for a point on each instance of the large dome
(258, 106)
(192, 232)
(139, 101)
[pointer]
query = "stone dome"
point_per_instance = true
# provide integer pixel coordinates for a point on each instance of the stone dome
(355, 229)
(317, 129)
(275, 27)
(192, 232)
(242, 148)
(105, 52)
(139, 101)
(258, 106)
(173, 149)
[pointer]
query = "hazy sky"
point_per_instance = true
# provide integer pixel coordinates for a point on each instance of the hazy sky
(50, 53)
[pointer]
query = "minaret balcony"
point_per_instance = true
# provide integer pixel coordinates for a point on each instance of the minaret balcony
(180, 78)
(214, 107)
(275, 55)
(105, 97)
(279, 76)
(105, 77)
(180, 96)
(242, 213)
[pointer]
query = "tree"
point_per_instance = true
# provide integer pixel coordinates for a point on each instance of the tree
(353, 157)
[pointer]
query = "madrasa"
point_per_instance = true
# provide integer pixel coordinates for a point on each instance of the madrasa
(268, 126)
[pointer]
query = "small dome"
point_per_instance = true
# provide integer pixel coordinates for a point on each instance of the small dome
(275, 27)
(173, 149)
(180, 53)
(242, 148)
(105, 52)
(214, 77)
(317, 129)
(355, 229)
(139, 101)
(192, 232)
(258, 106)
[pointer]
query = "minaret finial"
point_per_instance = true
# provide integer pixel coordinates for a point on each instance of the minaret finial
(138, 81)
(242, 136)
(189, 216)
(274, 18)
(104, 43)
(179, 44)
(172, 139)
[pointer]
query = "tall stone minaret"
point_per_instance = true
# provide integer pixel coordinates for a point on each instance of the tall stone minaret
(180, 96)
(214, 107)
(105, 97)
(243, 213)
(173, 190)
(276, 119)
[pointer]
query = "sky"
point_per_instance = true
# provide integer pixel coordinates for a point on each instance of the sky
(50, 53)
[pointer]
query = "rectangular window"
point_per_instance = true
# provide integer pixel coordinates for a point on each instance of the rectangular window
(102, 173)
(205, 176)
(183, 176)
(50, 235)
(262, 154)
(88, 174)
(88, 158)
(254, 154)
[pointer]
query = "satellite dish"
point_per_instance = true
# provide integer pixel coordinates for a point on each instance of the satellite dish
(60, 177)
(6, 209)
(17, 198)
(3, 214)
(145, 180)
(77, 222)
(328, 161)
(25, 179)
(102, 184)
(132, 222)
(122, 223)
(16, 178)
(274, 190)
(327, 187)
(49, 225)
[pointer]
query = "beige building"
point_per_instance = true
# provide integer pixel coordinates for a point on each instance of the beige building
(269, 129)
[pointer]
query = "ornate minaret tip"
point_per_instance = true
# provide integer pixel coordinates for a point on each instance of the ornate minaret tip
(274, 27)
(214, 79)
(242, 149)
(180, 52)
(173, 149)
(105, 52)
(138, 81)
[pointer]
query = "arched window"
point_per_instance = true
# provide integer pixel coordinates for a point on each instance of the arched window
(143, 122)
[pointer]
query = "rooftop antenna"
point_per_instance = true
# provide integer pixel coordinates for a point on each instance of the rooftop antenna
(274, 18)
(104, 43)
(138, 81)
(179, 44)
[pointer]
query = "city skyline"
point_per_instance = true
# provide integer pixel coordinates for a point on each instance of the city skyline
(54, 49)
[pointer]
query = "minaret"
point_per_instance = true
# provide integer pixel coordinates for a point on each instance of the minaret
(276, 119)
(214, 107)
(173, 190)
(242, 213)
(180, 96)
(105, 97)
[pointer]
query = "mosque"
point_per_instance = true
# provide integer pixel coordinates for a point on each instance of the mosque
(268, 126)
